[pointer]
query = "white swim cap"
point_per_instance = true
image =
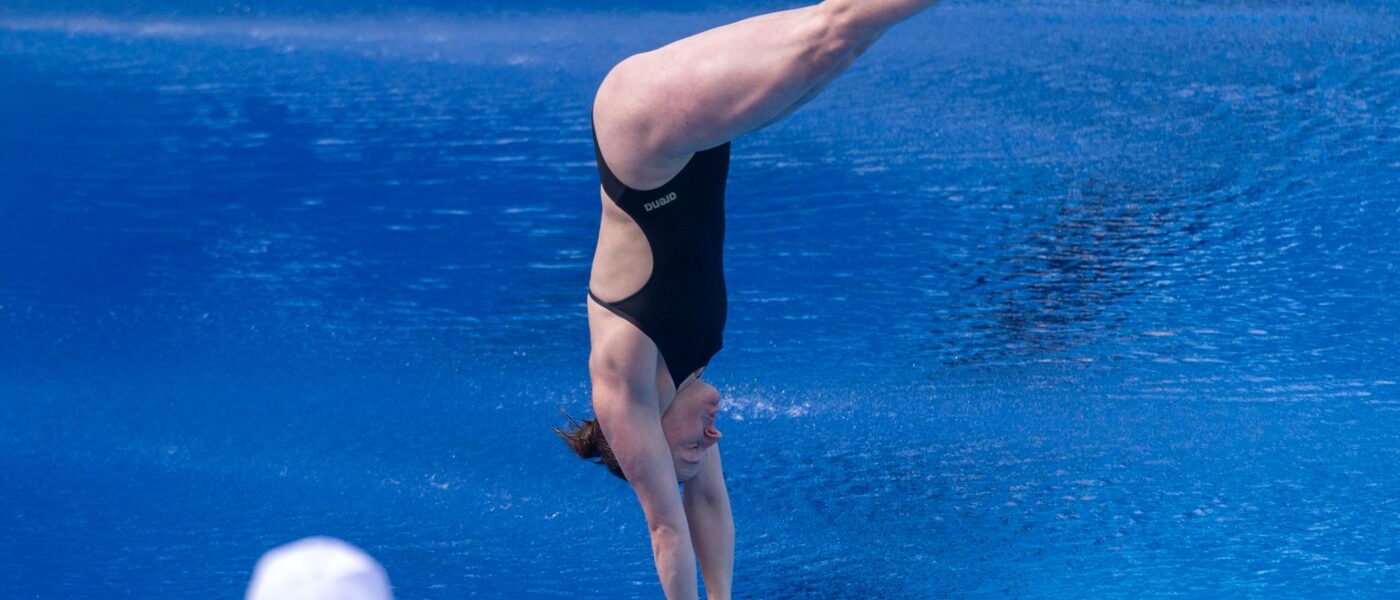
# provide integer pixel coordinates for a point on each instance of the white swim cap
(318, 568)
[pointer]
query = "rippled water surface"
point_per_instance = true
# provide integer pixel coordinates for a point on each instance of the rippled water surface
(1055, 299)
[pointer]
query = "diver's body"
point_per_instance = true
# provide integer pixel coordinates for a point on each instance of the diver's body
(663, 121)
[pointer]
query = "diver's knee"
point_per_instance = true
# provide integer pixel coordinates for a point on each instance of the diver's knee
(833, 40)
(845, 22)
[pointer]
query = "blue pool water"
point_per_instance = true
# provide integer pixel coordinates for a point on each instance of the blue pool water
(1042, 299)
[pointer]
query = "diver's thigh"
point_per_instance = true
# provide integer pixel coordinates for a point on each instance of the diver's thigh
(706, 89)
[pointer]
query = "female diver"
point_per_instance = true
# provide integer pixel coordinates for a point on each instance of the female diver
(662, 123)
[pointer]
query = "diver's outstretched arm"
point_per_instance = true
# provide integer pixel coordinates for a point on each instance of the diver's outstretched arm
(711, 522)
(633, 428)
(657, 108)
(622, 367)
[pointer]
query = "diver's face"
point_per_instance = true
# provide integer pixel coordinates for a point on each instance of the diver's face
(689, 425)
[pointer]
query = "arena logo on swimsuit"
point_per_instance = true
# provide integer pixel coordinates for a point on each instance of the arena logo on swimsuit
(660, 202)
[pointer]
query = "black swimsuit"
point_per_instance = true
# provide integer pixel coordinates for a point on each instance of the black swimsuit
(682, 306)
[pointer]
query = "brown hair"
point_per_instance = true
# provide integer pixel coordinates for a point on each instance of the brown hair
(586, 439)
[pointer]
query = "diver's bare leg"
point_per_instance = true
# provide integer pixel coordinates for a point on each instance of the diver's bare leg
(656, 108)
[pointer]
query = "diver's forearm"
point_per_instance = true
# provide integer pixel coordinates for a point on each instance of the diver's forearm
(675, 562)
(712, 531)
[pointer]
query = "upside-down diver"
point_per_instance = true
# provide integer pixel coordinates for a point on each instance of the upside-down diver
(662, 124)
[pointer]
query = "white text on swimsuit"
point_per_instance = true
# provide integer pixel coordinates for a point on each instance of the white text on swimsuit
(660, 202)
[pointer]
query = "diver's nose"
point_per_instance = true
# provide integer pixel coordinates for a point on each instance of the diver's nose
(712, 435)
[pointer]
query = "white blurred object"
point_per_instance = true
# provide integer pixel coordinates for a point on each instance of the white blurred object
(318, 568)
